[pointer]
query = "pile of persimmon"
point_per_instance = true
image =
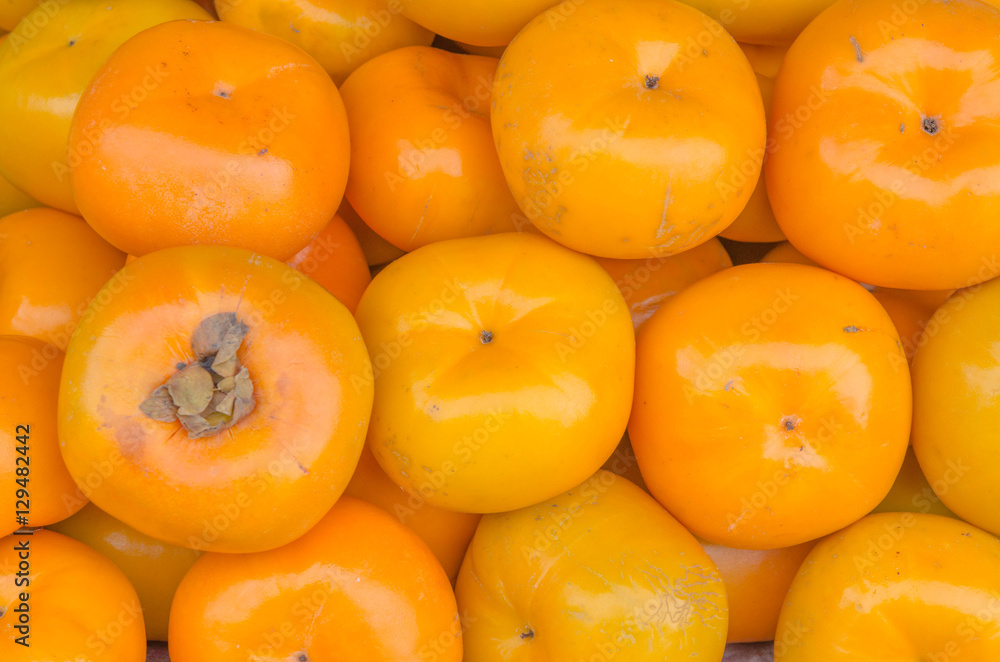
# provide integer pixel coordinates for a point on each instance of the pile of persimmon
(440, 330)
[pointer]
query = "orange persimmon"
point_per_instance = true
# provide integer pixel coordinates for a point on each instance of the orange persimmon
(660, 153)
(423, 164)
(503, 370)
(886, 138)
(478, 22)
(376, 249)
(214, 396)
(334, 259)
(772, 405)
(756, 581)
(52, 264)
(647, 283)
(31, 466)
(358, 587)
(72, 602)
(341, 34)
(237, 138)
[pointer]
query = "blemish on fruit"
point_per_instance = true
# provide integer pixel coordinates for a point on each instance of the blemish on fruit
(485, 337)
(930, 125)
(652, 82)
(858, 54)
(528, 634)
(851, 329)
(902, 128)
(223, 90)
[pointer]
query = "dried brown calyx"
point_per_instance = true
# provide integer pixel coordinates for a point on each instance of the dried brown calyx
(212, 393)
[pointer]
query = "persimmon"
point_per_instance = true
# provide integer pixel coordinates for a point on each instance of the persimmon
(340, 35)
(955, 413)
(69, 601)
(212, 403)
(13, 199)
(484, 347)
(45, 64)
(446, 532)
(423, 165)
(334, 259)
(214, 151)
(377, 250)
(52, 264)
(40, 487)
(883, 126)
(756, 221)
(768, 22)
(663, 156)
(772, 405)
(911, 493)
(600, 571)
(895, 587)
(358, 587)
(476, 22)
(153, 567)
(647, 283)
(756, 581)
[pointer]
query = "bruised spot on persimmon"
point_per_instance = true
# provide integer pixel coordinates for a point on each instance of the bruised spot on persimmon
(214, 392)
(931, 125)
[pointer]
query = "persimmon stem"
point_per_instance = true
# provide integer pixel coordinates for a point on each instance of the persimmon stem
(213, 392)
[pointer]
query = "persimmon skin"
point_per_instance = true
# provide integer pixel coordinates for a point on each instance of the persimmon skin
(476, 22)
(423, 164)
(446, 532)
(912, 493)
(358, 587)
(12, 11)
(13, 199)
(377, 250)
(233, 491)
(670, 184)
(541, 347)
(154, 567)
(883, 128)
(81, 606)
(29, 387)
(895, 587)
(955, 405)
(772, 405)
(214, 153)
(341, 35)
(555, 582)
(646, 284)
(756, 581)
(756, 222)
(767, 22)
(334, 259)
(46, 63)
(52, 264)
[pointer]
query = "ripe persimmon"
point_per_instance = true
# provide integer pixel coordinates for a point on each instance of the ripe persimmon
(341, 34)
(477, 22)
(886, 138)
(647, 283)
(213, 402)
(503, 370)
(423, 164)
(45, 63)
(772, 405)
(665, 151)
(232, 137)
(895, 586)
(52, 264)
(598, 572)
(358, 587)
